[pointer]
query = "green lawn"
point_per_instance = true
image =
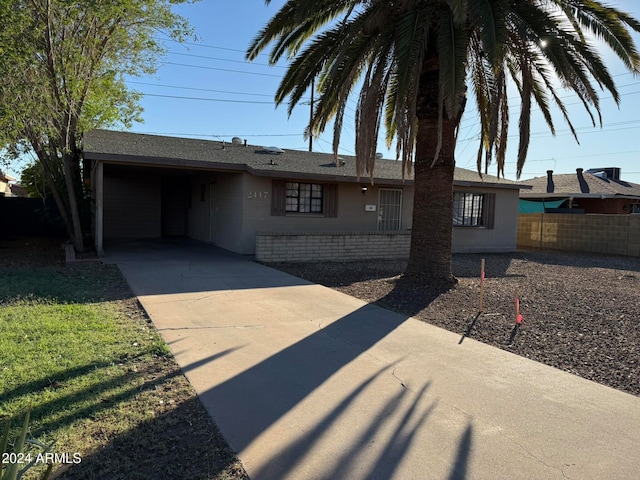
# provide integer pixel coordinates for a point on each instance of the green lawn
(78, 350)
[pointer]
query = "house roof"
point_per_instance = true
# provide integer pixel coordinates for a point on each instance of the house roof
(5, 177)
(581, 184)
(154, 150)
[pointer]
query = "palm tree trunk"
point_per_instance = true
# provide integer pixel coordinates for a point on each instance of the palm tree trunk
(432, 229)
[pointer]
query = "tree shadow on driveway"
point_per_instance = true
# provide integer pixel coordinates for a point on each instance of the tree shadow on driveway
(323, 397)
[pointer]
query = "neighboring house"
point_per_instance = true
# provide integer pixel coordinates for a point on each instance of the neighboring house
(18, 190)
(597, 190)
(230, 194)
(5, 187)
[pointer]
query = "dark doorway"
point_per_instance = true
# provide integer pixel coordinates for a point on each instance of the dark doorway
(174, 206)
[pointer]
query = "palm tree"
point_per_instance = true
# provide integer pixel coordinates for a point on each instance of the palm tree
(413, 61)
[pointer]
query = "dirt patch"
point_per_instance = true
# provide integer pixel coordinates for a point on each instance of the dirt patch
(581, 313)
(28, 251)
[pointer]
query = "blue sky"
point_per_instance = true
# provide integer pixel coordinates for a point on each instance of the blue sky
(206, 89)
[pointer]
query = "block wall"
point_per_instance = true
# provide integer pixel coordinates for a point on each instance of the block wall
(591, 233)
(339, 246)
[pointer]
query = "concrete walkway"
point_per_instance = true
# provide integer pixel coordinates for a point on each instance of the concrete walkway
(307, 383)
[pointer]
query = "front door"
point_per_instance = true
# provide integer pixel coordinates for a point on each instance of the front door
(389, 209)
(213, 212)
(173, 206)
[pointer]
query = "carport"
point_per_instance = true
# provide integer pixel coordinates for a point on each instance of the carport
(142, 198)
(144, 202)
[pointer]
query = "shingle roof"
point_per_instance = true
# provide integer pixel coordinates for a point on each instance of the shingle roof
(135, 148)
(579, 184)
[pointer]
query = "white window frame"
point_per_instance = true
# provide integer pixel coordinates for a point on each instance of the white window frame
(301, 204)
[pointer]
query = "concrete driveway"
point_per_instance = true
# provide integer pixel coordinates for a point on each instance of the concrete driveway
(308, 383)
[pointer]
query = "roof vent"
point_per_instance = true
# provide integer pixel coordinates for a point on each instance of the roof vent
(236, 141)
(379, 155)
(277, 150)
(340, 161)
(611, 172)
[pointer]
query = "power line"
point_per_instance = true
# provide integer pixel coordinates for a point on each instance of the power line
(226, 60)
(199, 89)
(181, 134)
(222, 69)
(535, 106)
(209, 46)
(253, 102)
(330, 143)
(581, 130)
(586, 156)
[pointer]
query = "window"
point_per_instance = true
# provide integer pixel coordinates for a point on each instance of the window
(303, 197)
(295, 197)
(473, 209)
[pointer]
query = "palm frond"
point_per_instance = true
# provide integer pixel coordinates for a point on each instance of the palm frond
(609, 25)
(453, 43)
(296, 22)
(398, 48)
(487, 19)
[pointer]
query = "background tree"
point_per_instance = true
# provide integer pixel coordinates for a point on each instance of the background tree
(33, 181)
(415, 59)
(62, 69)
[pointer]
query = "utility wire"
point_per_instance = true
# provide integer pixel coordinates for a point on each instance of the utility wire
(245, 62)
(200, 89)
(222, 69)
(198, 135)
(253, 102)
(204, 45)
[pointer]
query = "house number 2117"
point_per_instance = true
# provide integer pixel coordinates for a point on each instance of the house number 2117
(257, 194)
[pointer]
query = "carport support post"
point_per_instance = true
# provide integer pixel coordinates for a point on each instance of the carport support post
(99, 206)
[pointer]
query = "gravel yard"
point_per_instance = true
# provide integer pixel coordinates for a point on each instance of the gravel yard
(581, 313)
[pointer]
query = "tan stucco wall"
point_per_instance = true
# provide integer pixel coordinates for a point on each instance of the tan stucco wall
(501, 238)
(244, 208)
(240, 205)
(198, 211)
(352, 216)
(218, 218)
(355, 245)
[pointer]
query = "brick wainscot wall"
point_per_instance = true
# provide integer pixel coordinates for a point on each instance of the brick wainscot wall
(338, 246)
